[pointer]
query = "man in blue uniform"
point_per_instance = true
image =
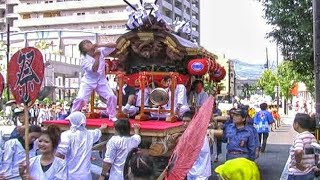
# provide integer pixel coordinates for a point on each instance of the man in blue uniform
(240, 138)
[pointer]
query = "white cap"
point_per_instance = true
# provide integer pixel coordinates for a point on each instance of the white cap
(18, 110)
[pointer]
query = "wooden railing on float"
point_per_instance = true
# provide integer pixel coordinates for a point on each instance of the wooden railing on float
(143, 81)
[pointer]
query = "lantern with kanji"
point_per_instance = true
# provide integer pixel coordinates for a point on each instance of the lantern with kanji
(218, 75)
(198, 66)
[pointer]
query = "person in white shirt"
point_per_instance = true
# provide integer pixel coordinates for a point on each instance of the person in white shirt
(43, 114)
(201, 169)
(76, 146)
(46, 166)
(14, 153)
(94, 78)
(118, 148)
(180, 98)
(147, 92)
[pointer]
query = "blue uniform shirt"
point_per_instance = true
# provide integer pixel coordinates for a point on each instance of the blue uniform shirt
(262, 119)
(256, 140)
(242, 141)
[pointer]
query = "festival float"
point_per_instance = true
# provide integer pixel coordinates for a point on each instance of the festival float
(150, 50)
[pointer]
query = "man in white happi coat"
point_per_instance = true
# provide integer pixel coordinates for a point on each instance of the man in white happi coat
(180, 99)
(94, 78)
(76, 146)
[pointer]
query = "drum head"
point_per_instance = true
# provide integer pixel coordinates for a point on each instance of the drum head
(159, 97)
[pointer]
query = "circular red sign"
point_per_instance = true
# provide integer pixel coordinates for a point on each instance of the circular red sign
(26, 72)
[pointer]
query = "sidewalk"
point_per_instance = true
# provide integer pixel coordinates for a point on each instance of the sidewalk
(272, 162)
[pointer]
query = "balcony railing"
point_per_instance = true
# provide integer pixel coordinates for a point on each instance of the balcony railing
(67, 6)
(62, 59)
(12, 1)
(2, 5)
(63, 20)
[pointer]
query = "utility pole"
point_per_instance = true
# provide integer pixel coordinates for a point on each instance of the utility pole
(229, 77)
(278, 82)
(316, 46)
(267, 58)
(8, 59)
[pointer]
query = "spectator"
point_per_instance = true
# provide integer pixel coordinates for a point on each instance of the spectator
(302, 157)
(46, 166)
(239, 169)
(262, 121)
(14, 152)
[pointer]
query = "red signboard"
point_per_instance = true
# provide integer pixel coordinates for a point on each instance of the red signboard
(26, 71)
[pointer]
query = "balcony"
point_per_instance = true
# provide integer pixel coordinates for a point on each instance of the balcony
(167, 5)
(12, 15)
(13, 2)
(66, 6)
(195, 21)
(2, 6)
(64, 20)
(195, 8)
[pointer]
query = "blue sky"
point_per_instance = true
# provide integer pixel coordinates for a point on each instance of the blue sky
(237, 29)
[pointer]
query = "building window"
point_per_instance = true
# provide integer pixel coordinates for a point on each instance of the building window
(48, 2)
(26, 16)
(178, 5)
(51, 14)
(167, 12)
(81, 13)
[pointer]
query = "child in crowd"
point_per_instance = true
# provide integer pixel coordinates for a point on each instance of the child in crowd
(239, 137)
(14, 152)
(302, 157)
(118, 148)
(138, 166)
(46, 166)
(76, 146)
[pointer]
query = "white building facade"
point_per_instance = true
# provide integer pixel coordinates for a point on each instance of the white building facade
(103, 16)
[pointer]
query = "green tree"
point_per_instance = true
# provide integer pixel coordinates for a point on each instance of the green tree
(47, 101)
(292, 30)
(286, 78)
(267, 82)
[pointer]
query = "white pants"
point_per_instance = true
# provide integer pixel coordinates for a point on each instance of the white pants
(131, 111)
(102, 90)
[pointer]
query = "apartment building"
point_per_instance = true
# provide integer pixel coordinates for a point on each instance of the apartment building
(104, 16)
(7, 15)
